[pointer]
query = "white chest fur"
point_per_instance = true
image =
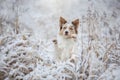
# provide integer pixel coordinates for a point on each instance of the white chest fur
(66, 47)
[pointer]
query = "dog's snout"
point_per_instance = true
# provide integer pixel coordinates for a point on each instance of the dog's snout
(66, 32)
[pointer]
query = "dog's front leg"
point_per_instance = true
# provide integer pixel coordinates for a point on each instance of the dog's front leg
(63, 56)
(74, 56)
(57, 50)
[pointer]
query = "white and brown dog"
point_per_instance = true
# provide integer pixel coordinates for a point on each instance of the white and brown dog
(65, 45)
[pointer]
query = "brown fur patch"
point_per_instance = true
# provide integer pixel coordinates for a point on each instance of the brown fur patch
(62, 21)
(76, 24)
(55, 41)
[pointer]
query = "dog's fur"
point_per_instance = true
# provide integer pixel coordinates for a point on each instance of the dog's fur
(66, 39)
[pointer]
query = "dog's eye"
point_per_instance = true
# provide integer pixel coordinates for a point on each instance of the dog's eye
(64, 27)
(71, 28)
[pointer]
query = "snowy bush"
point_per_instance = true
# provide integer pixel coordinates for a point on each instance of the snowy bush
(27, 29)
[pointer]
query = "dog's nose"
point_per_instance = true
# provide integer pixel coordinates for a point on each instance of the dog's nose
(66, 32)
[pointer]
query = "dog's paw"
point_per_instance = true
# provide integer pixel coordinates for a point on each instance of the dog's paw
(73, 59)
(55, 41)
(74, 36)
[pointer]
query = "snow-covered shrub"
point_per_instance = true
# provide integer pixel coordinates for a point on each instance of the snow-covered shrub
(28, 53)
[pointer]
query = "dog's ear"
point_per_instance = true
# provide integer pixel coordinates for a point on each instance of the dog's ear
(76, 24)
(61, 22)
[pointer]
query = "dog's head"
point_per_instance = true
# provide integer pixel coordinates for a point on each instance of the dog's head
(67, 30)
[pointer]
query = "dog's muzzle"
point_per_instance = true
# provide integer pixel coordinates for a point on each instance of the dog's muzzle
(66, 32)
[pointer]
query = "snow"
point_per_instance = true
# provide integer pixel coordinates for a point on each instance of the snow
(29, 54)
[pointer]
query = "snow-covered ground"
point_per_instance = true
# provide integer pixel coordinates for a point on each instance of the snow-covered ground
(27, 28)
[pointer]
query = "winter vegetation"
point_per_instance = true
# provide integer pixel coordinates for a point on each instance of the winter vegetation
(27, 28)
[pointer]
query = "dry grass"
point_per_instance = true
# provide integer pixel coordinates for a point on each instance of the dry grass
(22, 57)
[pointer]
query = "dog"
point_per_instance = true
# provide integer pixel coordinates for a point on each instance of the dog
(65, 44)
